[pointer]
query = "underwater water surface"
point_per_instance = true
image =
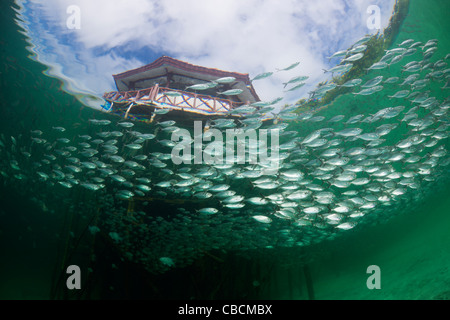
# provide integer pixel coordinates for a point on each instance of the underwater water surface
(364, 181)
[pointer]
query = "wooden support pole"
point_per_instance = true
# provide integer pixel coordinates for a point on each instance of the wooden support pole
(309, 282)
(128, 110)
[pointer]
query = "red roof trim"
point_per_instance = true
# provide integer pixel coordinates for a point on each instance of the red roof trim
(182, 65)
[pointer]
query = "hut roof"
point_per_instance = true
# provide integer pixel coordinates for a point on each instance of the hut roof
(167, 71)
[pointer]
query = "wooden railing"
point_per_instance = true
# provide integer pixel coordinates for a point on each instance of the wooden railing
(176, 98)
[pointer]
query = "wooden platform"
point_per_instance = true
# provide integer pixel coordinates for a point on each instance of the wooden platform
(183, 106)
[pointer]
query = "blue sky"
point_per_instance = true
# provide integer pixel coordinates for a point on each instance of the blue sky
(251, 36)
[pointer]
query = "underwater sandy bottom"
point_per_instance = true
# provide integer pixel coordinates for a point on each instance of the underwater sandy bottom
(412, 251)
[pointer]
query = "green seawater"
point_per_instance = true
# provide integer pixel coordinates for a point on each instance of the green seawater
(44, 228)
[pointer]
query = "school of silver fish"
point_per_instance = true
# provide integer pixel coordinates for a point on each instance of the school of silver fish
(347, 170)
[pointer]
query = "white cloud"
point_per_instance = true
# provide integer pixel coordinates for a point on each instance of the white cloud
(252, 36)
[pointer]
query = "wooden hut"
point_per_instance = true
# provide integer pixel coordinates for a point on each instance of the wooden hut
(169, 88)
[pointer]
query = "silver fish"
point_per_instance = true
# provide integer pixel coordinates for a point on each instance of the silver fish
(262, 219)
(340, 68)
(354, 57)
(232, 92)
(349, 132)
(369, 91)
(208, 211)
